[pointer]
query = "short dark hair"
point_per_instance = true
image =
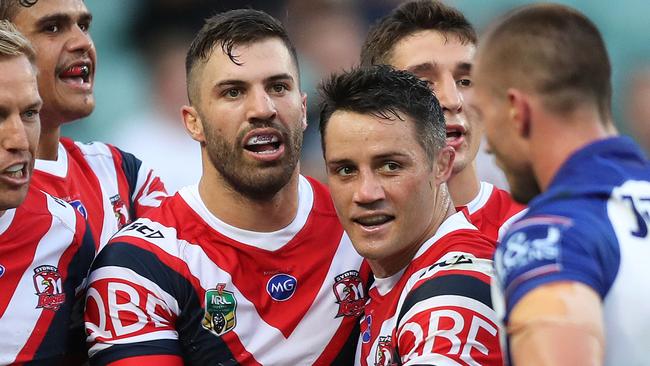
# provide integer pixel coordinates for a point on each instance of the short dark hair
(411, 17)
(230, 29)
(388, 93)
(552, 50)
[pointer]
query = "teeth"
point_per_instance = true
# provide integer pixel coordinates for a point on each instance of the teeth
(15, 168)
(373, 220)
(262, 139)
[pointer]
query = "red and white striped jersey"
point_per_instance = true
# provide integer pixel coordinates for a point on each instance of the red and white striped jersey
(109, 187)
(45, 253)
(438, 310)
(182, 282)
(492, 211)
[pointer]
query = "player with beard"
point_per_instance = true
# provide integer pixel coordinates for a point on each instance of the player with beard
(436, 43)
(45, 245)
(249, 266)
(109, 187)
(573, 271)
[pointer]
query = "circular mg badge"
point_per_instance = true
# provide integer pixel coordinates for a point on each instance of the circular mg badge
(281, 287)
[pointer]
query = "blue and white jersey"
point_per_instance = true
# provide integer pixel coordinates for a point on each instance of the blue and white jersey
(590, 226)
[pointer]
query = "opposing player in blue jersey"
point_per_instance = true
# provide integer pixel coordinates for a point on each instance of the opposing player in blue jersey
(573, 272)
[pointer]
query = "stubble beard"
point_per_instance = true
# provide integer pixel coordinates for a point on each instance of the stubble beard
(258, 181)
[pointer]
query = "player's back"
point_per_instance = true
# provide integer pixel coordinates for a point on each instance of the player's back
(591, 226)
(222, 293)
(45, 254)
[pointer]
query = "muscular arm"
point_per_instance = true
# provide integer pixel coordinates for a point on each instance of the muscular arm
(557, 324)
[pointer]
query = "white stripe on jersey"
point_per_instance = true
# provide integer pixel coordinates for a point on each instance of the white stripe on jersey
(310, 334)
(270, 241)
(58, 167)
(21, 315)
(6, 219)
(484, 193)
(99, 158)
(503, 230)
(457, 221)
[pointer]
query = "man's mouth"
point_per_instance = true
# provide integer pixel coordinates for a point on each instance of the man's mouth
(263, 143)
(78, 74)
(16, 171)
(373, 220)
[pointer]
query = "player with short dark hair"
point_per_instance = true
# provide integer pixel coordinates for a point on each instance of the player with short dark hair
(387, 163)
(250, 266)
(573, 270)
(45, 248)
(437, 43)
(109, 187)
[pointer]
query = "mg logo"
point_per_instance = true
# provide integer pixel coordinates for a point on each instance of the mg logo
(281, 287)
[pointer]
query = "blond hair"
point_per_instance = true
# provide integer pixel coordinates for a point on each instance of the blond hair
(13, 43)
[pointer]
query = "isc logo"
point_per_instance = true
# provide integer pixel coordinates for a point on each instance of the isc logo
(281, 286)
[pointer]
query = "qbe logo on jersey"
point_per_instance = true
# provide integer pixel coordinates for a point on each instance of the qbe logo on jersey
(281, 287)
(220, 310)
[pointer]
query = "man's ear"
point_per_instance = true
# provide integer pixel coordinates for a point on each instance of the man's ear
(303, 107)
(443, 164)
(192, 123)
(520, 113)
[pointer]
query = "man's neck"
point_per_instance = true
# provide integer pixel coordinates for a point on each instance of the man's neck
(245, 213)
(464, 186)
(48, 143)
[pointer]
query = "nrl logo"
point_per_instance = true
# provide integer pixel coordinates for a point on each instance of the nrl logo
(348, 290)
(47, 282)
(220, 310)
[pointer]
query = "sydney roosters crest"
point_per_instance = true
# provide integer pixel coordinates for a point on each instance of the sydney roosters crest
(47, 282)
(120, 210)
(348, 290)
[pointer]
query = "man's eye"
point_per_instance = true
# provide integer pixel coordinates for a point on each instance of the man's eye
(464, 83)
(233, 93)
(390, 166)
(345, 171)
(279, 88)
(52, 28)
(84, 26)
(30, 114)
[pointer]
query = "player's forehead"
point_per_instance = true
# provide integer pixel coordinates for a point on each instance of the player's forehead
(18, 87)
(56, 9)
(432, 48)
(254, 62)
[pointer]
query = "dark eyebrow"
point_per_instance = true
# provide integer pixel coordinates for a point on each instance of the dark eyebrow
(423, 67)
(279, 77)
(464, 67)
(62, 18)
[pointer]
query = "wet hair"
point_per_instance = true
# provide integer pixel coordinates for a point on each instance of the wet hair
(228, 30)
(552, 50)
(13, 43)
(409, 18)
(387, 93)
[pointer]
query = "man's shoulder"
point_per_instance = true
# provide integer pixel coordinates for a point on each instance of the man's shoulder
(39, 205)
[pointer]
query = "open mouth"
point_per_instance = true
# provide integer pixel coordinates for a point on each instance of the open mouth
(76, 74)
(455, 132)
(263, 144)
(16, 171)
(373, 220)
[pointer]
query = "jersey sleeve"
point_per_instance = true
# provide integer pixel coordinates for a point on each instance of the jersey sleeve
(447, 317)
(146, 189)
(130, 310)
(544, 249)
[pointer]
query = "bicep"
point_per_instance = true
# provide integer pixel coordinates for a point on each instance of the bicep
(557, 324)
